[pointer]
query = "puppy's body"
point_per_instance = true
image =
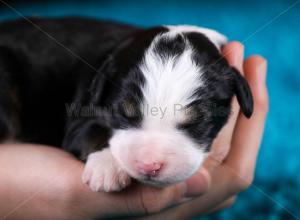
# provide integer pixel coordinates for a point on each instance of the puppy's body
(126, 74)
(44, 71)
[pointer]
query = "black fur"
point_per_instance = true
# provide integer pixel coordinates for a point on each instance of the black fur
(45, 75)
(40, 78)
(212, 109)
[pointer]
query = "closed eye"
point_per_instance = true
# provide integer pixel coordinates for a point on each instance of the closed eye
(129, 109)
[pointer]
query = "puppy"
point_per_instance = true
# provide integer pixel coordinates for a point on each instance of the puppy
(130, 102)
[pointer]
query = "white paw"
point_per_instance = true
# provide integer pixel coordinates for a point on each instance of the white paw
(102, 173)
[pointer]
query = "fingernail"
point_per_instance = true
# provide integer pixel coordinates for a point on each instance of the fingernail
(239, 57)
(262, 70)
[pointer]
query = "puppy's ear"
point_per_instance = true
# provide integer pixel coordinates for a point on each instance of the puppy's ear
(243, 93)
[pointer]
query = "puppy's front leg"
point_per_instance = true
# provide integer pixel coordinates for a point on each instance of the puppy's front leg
(103, 173)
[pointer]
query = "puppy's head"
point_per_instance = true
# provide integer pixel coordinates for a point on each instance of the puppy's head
(174, 96)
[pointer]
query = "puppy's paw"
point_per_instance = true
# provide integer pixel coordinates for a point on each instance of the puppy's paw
(103, 173)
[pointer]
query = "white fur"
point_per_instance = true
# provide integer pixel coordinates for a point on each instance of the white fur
(103, 173)
(170, 82)
(217, 38)
(181, 156)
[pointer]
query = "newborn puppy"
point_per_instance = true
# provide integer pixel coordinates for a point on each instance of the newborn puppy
(169, 92)
(139, 103)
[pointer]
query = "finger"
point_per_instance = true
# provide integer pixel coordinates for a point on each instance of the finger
(198, 184)
(248, 132)
(221, 145)
(220, 191)
(142, 199)
(226, 204)
(185, 211)
(234, 53)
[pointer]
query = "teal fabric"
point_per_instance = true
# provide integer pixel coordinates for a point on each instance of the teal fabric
(269, 28)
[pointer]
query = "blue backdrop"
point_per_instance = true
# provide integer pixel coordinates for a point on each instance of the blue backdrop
(270, 28)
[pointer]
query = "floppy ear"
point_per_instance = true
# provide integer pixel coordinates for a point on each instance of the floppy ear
(243, 93)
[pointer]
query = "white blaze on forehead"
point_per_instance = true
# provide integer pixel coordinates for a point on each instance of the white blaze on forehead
(217, 38)
(170, 82)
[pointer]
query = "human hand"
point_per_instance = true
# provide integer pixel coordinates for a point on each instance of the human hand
(229, 169)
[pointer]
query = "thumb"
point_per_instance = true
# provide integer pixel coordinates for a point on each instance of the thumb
(148, 200)
(142, 199)
(198, 184)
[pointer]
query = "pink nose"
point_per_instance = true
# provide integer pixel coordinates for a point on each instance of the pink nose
(149, 169)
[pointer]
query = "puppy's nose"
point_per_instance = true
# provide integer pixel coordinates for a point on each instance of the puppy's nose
(149, 169)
